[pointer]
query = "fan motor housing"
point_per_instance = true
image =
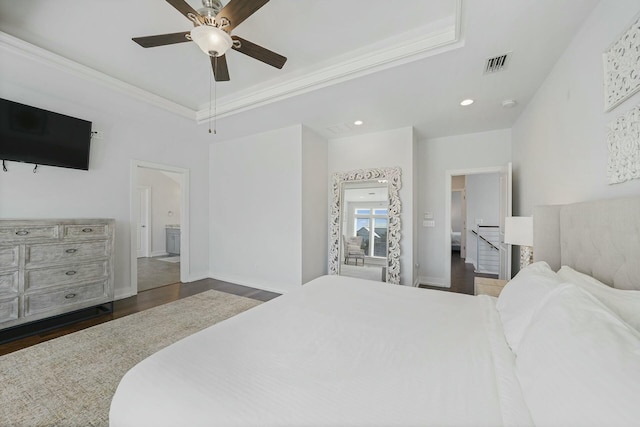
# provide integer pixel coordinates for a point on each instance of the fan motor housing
(210, 8)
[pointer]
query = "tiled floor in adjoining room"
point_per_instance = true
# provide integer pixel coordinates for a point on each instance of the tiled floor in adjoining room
(153, 273)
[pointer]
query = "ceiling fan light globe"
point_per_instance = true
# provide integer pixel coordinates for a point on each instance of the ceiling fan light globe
(211, 40)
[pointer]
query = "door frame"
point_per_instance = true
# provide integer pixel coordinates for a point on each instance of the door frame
(447, 214)
(147, 198)
(184, 219)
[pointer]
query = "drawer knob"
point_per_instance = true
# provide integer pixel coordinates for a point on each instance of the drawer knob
(69, 296)
(22, 233)
(70, 273)
(87, 230)
(71, 251)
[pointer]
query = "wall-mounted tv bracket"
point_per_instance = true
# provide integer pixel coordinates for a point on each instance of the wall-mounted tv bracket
(4, 167)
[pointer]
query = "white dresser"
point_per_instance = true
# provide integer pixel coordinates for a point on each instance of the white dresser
(52, 267)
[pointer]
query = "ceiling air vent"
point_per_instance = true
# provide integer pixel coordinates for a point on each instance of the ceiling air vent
(341, 128)
(497, 63)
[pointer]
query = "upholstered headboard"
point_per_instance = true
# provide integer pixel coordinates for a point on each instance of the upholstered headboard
(601, 239)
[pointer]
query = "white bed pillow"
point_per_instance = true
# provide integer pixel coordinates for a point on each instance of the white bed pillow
(579, 364)
(520, 298)
(624, 303)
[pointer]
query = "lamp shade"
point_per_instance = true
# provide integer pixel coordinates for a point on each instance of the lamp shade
(211, 40)
(518, 230)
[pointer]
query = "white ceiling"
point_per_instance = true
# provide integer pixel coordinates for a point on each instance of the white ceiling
(391, 64)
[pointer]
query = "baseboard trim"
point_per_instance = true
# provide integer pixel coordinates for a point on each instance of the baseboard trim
(432, 281)
(241, 282)
(199, 276)
(123, 293)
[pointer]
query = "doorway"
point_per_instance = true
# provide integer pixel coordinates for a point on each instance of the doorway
(477, 200)
(143, 206)
(159, 225)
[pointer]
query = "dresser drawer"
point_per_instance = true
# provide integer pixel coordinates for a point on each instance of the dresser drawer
(60, 300)
(8, 282)
(30, 232)
(8, 257)
(67, 252)
(8, 309)
(72, 273)
(86, 231)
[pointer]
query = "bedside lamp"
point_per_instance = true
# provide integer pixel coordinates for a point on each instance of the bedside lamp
(518, 230)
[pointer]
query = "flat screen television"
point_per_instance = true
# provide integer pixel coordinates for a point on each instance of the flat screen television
(32, 135)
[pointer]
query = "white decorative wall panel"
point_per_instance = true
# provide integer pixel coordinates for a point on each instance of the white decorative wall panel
(622, 67)
(623, 141)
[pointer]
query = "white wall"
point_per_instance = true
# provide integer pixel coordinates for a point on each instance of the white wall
(132, 130)
(559, 142)
(384, 149)
(315, 214)
(260, 200)
(255, 204)
(165, 198)
(435, 157)
(483, 203)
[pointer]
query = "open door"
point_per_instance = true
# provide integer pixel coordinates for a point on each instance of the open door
(143, 210)
(505, 211)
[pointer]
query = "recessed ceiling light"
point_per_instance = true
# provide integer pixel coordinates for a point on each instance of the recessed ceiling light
(358, 123)
(509, 103)
(466, 102)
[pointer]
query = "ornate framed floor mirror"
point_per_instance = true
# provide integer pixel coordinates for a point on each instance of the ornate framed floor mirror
(364, 224)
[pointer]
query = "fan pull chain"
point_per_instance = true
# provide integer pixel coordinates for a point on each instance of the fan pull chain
(215, 98)
(215, 102)
(210, 99)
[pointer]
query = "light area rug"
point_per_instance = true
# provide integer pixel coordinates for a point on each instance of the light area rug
(69, 381)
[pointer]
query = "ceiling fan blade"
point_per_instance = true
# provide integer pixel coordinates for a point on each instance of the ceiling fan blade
(185, 9)
(236, 11)
(259, 52)
(162, 39)
(220, 69)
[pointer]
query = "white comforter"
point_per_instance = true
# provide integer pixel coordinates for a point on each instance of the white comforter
(337, 352)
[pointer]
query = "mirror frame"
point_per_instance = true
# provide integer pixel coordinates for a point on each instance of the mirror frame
(392, 175)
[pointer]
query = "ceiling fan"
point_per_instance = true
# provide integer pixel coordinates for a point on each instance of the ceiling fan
(213, 24)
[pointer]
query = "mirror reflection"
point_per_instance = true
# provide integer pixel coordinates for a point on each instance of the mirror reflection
(364, 226)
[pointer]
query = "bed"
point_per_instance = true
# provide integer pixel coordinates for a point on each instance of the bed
(556, 348)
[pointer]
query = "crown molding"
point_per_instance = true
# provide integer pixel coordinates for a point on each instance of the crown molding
(16, 46)
(412, 50)
(354, 66)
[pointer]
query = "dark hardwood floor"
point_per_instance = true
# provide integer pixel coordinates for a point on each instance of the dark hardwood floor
(144, 300)
(462, 276)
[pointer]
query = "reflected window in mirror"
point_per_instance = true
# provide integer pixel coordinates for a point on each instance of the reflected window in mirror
(371, 225)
